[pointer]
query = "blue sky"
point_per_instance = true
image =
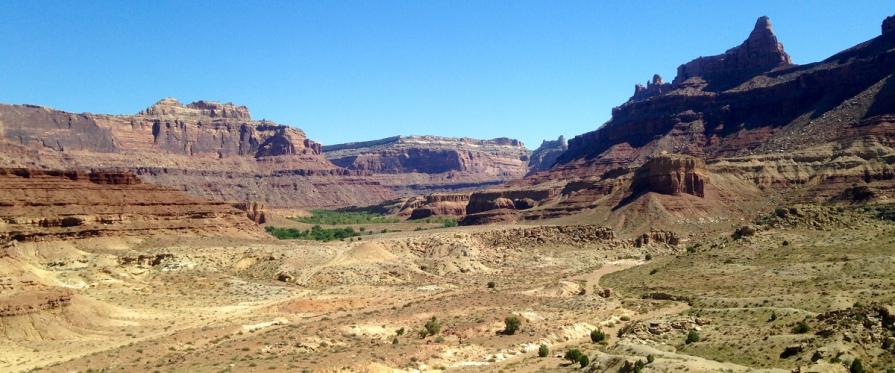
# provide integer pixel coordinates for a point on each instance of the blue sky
(358, 70)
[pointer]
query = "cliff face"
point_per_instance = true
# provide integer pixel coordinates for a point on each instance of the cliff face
(727, 136)
(415, 165)
(217, 150)
(545, 156)
(749, 100)
(47, 204)
(672, 175)
(501, 158)
(207, 148)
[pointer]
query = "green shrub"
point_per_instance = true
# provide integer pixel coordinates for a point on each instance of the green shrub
(744, 231)
(512, 324)
(399, 332)
(584, 361)
(448, 223)
(648, 257)
(800, 328)
(773, 316)
(573, 355)
(650, 359)
(543, 351)
(433, 326)
(653, 271)
(692, 336)
(856, 366)
(597, 336)
(492, 284)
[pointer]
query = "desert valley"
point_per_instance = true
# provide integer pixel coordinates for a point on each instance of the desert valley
(737, 218)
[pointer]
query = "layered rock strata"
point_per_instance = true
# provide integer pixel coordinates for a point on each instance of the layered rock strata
(40, 204)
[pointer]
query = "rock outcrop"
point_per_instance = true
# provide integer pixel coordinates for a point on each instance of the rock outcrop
(441, 204)
(255, 211)
(41, 204)
(760, 53)
(672, 175)
(545, 156)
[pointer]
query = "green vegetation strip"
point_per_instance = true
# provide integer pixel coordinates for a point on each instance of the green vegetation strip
(326, 217)
(316, 233)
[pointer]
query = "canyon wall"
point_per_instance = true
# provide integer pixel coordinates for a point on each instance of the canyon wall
(730, 135)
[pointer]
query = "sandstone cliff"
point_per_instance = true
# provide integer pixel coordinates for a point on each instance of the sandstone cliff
(206, 148)
(47, 204)
(415, 165)
(216, 150)
(729, 136)
(748, 100)
(545, 156)
(500, 158)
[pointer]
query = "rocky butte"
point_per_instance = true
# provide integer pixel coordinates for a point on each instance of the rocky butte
(727, 132)
(545, 156)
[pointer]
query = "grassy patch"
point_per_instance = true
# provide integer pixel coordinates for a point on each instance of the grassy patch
(316, 233)
(326, 217)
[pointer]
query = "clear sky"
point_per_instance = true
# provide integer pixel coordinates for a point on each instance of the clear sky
(359, 70)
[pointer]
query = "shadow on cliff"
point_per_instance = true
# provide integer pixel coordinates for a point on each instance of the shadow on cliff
(884, 103)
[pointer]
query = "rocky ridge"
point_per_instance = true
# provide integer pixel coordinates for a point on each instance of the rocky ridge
(728, 129)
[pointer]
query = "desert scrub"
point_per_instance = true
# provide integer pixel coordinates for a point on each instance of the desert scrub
(433, 326)
(583, 361)
(692, 336)
(856, 366)
(573, 355)
(316, 233)
(801, 327)
(543, 351)
(511, 325)
(327, 217)
(597, 336)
